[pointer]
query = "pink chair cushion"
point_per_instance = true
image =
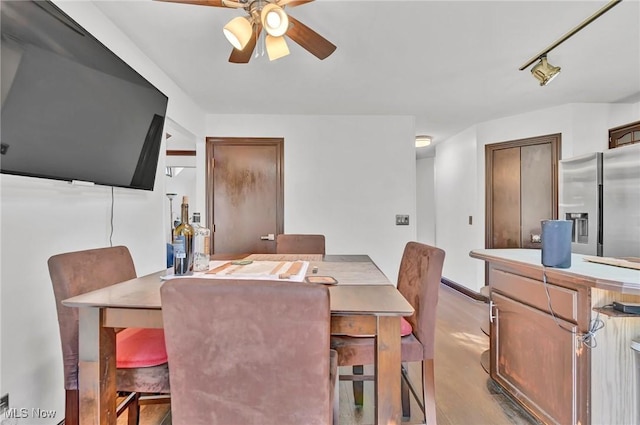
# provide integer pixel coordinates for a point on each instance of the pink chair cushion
(136, 347)
(405, 329)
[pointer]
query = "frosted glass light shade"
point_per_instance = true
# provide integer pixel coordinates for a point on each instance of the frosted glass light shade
(276, 47)
(274, 20)
(238, 31)
(422, 141)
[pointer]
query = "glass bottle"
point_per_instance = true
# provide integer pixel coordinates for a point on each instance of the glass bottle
(183, 242)
(201, 241)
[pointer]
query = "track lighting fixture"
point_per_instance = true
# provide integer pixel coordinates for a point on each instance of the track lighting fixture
(544, 71)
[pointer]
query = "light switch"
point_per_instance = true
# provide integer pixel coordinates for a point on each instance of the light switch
(402, 220)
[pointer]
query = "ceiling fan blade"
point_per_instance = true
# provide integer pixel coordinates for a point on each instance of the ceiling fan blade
(244, 56)
(316, 44)
(292, 3)
(214, 3)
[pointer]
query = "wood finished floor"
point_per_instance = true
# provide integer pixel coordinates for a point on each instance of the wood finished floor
(464, 394)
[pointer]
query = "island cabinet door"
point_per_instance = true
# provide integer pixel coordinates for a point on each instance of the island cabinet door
(536, 358)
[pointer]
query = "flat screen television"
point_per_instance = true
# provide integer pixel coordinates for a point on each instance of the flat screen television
(72, 109)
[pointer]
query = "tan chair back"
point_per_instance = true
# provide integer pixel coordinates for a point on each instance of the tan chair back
(300, 244)
(419, 281)
(247, 352)
(75, 273)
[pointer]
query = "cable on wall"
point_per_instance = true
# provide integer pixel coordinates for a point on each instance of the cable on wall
(111, 232)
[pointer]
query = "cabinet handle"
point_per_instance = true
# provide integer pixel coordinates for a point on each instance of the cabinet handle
(491, 315)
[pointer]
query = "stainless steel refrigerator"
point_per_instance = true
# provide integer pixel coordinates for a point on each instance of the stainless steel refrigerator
(600, 193)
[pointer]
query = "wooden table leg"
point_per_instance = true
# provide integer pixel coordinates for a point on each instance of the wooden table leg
(97, 369)
(387, 365)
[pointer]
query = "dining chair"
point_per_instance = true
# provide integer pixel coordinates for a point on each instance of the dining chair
(419, 282)
(248, 352)
(300, 244)
(141, 358)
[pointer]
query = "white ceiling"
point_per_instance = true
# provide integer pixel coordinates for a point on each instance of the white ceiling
(450, 64)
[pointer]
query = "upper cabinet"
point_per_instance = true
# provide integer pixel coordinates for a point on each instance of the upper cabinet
(624, 135)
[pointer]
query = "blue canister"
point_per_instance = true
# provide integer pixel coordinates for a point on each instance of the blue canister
(556, 243)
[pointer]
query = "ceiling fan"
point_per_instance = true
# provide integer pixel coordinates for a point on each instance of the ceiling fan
(243, 31)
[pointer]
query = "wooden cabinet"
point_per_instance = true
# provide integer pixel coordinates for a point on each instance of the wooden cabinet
(534, 355)
(538, 318)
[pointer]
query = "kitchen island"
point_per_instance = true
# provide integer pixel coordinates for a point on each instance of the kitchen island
(542, 352)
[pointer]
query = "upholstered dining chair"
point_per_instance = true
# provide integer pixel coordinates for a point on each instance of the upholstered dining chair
(249, 352)
(141, 357)
(300, 244)
(418, 281)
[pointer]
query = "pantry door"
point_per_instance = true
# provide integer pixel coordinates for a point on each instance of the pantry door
(521, 190)
(245, 193)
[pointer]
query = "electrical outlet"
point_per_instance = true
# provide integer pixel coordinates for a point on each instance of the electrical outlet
(4, 403)
(402, 220)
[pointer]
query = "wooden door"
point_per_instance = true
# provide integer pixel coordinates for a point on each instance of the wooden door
(245, 203)
(521, 190)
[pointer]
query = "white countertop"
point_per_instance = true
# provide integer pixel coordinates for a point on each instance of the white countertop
(599, 275)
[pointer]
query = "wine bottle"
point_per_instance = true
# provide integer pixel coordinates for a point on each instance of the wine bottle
(183, 242)
(201, 241)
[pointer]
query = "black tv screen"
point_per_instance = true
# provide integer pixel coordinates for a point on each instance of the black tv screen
(71, 108)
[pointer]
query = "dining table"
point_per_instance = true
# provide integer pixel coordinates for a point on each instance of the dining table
(362, 300)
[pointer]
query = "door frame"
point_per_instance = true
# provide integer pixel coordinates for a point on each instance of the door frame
(554, 139)
(211, 143)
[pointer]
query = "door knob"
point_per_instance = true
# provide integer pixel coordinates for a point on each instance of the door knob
(269, 237)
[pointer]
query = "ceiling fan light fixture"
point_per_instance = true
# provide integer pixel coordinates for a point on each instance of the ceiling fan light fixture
(544, 71)
(422, 141)
(274, 20)
(238, 31)
(276, 47)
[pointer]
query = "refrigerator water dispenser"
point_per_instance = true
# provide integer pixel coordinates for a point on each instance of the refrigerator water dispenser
(580, 227)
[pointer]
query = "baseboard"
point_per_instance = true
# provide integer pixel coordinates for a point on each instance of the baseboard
(464, 290)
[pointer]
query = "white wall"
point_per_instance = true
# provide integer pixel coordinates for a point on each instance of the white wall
(425, 200)
(460, 171)
(345, 177)
(456, 200)
(40, 218)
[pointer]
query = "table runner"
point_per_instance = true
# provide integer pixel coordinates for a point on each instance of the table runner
(263, 270)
